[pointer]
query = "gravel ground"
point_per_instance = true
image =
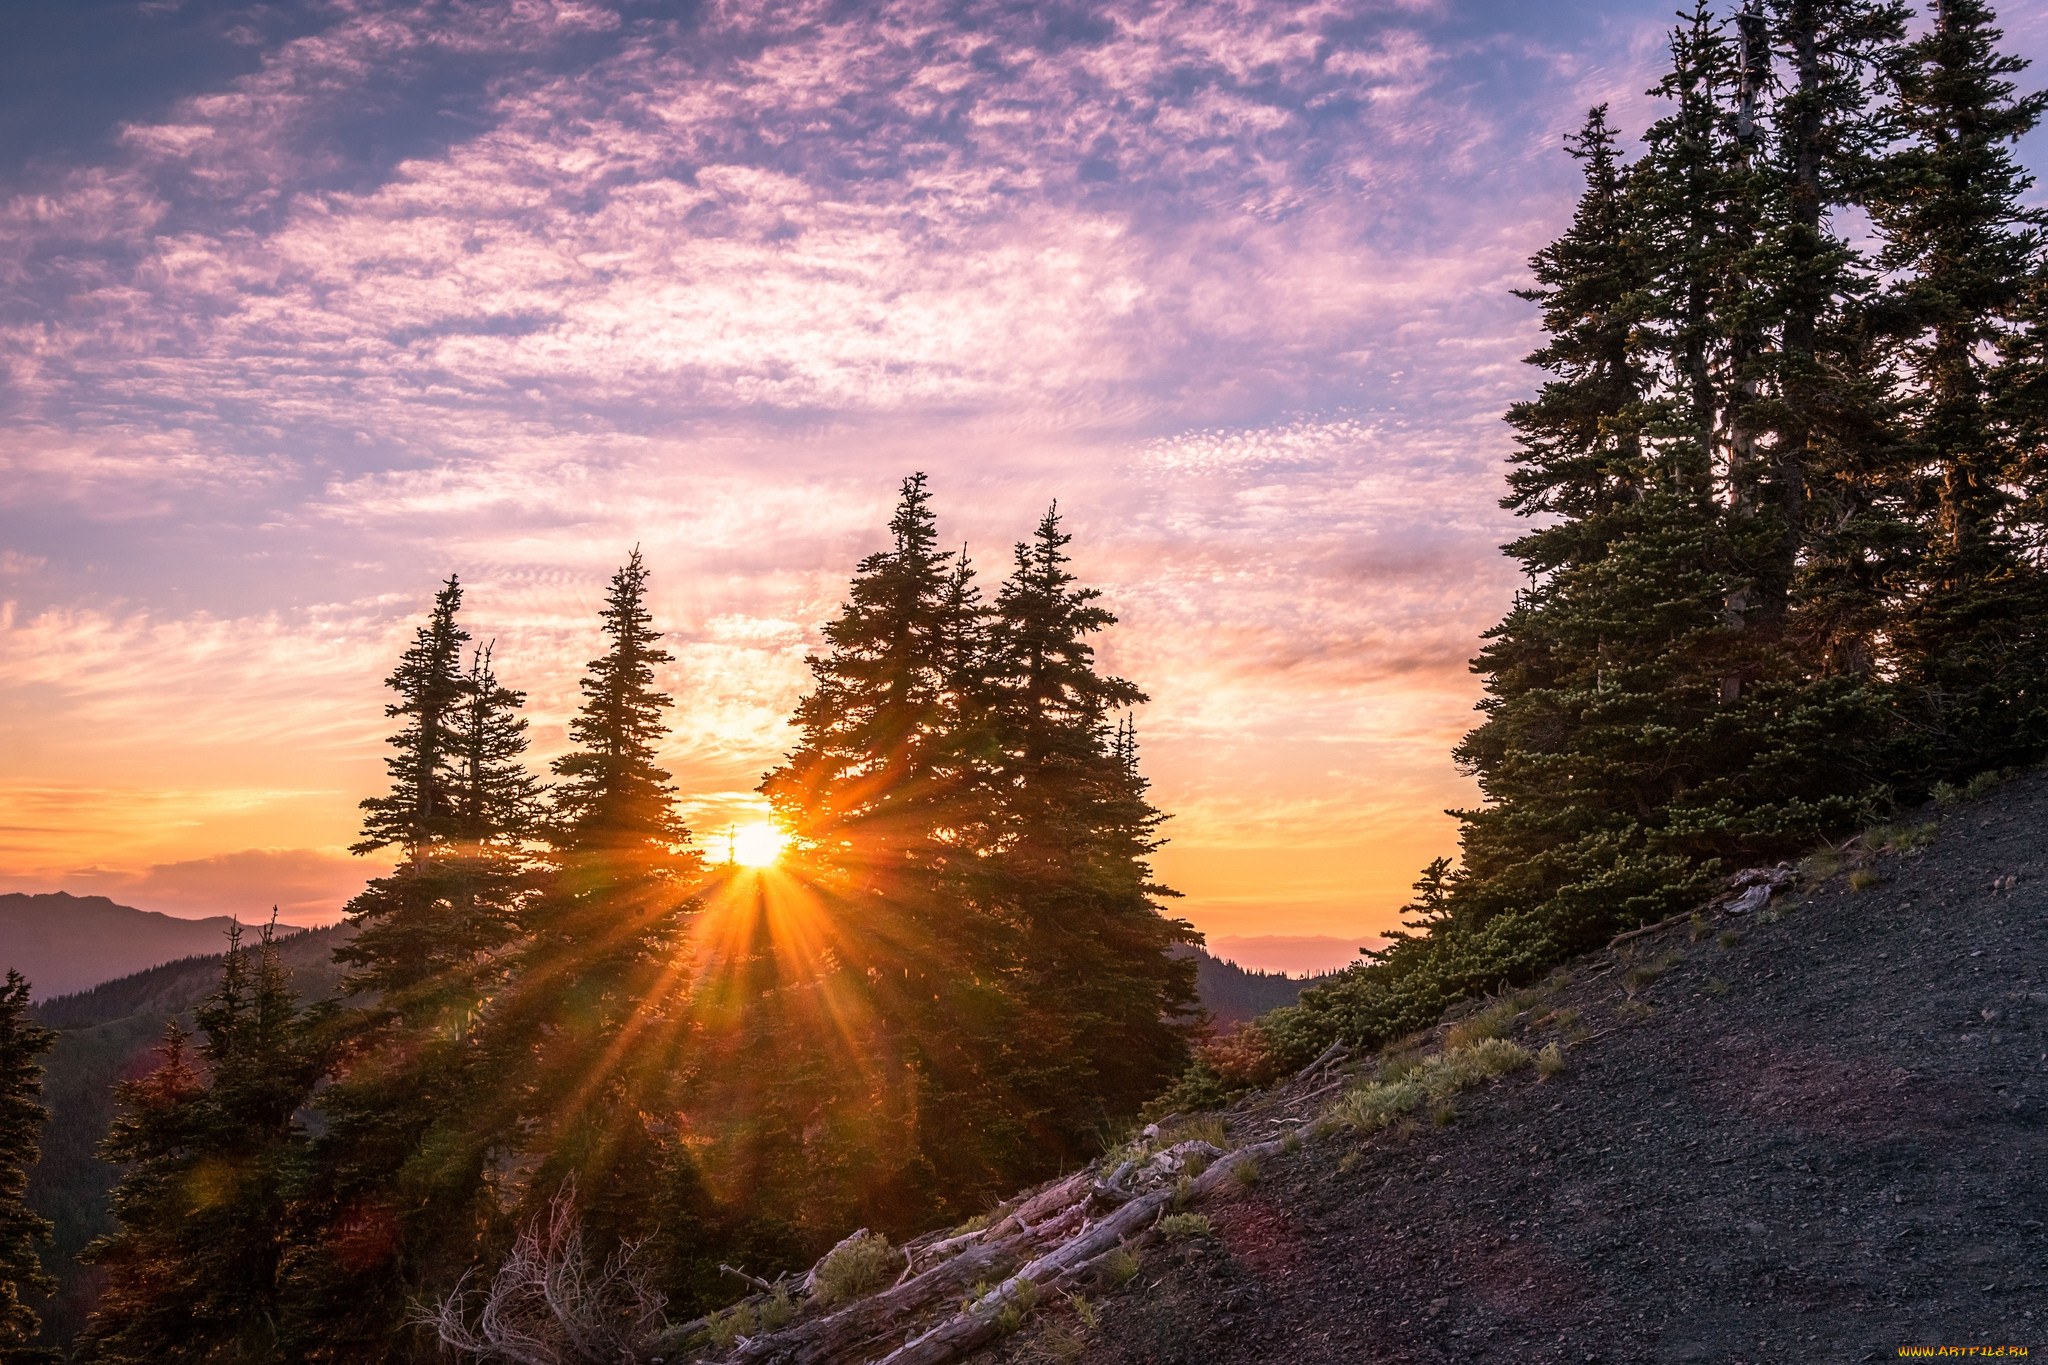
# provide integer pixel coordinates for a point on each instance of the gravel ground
(1823, 1141)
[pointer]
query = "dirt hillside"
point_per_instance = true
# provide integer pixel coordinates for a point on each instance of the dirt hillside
(1814, 1132)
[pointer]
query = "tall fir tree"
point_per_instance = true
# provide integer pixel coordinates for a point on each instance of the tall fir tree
(1967, 252)
(1106, 1010)
(395, 1199)
(587, 1033)
(195, 1271)
(886, 795)
(22, 1042)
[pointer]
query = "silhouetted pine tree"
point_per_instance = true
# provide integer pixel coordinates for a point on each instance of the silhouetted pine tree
(1973, 643)
(1105, 1013)
(587, 1033)
(194, 1272)
(1599, 677)
(395, 1199)
(886, 792)
(1692, 673)
(22, 1041)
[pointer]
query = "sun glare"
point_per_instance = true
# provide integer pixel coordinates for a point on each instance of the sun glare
(755, 845)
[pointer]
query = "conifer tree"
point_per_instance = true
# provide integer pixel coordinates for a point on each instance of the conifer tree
(194, 1273)
(1826, 420)
(886, 795)
(1106, 1011)
(395, 1197)
(22, 1041)
(1599, 674)
(583, 1038)
(1949, 205)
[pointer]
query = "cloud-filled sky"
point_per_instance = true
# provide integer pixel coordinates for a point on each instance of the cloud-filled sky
(305, 305)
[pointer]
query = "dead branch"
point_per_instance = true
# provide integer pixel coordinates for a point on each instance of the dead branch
(547, 1305)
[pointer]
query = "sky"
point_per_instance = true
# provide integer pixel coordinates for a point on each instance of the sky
(304, 306)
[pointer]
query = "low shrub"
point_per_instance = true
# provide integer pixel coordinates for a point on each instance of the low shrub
(1243, 1057)
(726, 1328)
(777, 1309)
(1022, 1298)
(855, 1268)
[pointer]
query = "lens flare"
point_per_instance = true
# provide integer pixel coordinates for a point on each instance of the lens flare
(755, 845)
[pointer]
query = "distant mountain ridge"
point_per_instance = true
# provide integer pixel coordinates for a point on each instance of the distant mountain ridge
(1233, 994)
(64, 943)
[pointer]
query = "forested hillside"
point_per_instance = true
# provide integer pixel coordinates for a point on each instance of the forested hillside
(103, 1036)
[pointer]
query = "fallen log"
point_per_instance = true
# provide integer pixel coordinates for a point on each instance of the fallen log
(978, 1324)
(843, 1335)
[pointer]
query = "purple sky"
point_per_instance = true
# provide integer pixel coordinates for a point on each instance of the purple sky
(303, 306)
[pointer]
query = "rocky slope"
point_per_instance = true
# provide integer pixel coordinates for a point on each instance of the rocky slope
(1815, 1132)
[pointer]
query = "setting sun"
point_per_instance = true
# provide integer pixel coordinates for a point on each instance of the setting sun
(755, 845)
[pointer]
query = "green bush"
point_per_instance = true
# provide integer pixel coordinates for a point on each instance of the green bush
(855, 1268)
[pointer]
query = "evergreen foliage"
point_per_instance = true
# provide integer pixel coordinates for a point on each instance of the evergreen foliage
(1789, 566)
(394, 1196)
(1108, 1011)
(22, 1041)
(211, 1145)
(975, 836)
(583, 1038)
(1973, 641)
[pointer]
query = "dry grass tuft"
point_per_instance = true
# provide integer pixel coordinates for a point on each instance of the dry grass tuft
(1729, 938)
(1349, 1162)
(1549, 1061)
(1493, 1022)
(1209, 1128)
(1633, 1009)
(1373, 1106)
(1715, 986)
(1245, 1174)
(1377, 1104)
(1821, 865)
(1863, 879)
(1175, 1227)
(1120, 1266)
(1443, 1114)
(1292, 1141)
